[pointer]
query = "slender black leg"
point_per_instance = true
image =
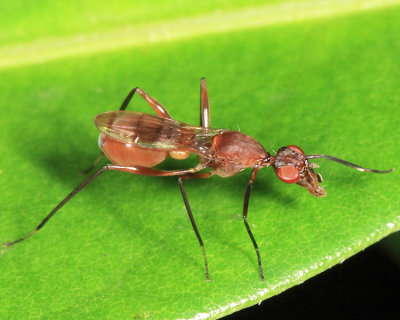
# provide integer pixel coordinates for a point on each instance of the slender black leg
(69, 197)
(245, 208)
(130, 169)
(196, 231)
(128, 99)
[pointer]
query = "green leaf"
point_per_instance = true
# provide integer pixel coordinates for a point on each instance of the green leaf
(321, 75)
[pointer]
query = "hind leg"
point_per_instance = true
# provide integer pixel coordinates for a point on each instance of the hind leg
(158, 108)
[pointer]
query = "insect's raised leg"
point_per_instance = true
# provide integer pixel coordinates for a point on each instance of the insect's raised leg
(158, 108)
(245, 208)
(131, 169)
(204, 105)
(196, 231)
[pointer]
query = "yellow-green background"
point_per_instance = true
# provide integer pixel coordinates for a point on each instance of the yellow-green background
(322, 75)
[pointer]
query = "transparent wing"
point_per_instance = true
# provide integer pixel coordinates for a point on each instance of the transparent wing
(152, 131)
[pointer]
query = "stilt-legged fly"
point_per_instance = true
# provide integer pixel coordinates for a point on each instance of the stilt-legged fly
(135, 142)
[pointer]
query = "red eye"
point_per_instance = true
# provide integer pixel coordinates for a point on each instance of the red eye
(296, 149)
(288, 174)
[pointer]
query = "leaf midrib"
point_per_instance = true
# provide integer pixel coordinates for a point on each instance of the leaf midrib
(46, 49)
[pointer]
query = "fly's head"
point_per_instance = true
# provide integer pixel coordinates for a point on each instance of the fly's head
(291, 166)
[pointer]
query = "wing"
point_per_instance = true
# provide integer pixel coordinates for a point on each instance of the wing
(152, 131)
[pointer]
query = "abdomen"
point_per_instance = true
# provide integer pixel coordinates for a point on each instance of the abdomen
(129, 154)
(134, 138)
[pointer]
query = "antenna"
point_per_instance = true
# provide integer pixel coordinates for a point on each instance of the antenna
(346, 163)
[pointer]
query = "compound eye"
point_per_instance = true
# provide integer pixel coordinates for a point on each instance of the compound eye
(288, 174)
(296, 149)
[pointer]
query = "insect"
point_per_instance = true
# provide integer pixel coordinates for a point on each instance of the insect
(135, 142)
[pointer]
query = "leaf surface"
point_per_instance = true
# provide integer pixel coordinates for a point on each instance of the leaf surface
(124, 248)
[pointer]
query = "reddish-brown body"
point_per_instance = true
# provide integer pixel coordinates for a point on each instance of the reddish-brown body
(235, 151)
(130, 138)
(137, 139)
(135, 142)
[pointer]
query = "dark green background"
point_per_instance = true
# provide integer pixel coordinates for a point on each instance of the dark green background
(124, 248)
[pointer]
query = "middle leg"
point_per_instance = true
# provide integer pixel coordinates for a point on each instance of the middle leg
(245, 209)
(193, 222)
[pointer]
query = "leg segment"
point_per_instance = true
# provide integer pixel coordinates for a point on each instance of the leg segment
(69, 197)
(245, 208)
(196, 231)
(158, 108)
(204, 105)
(134, 170)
